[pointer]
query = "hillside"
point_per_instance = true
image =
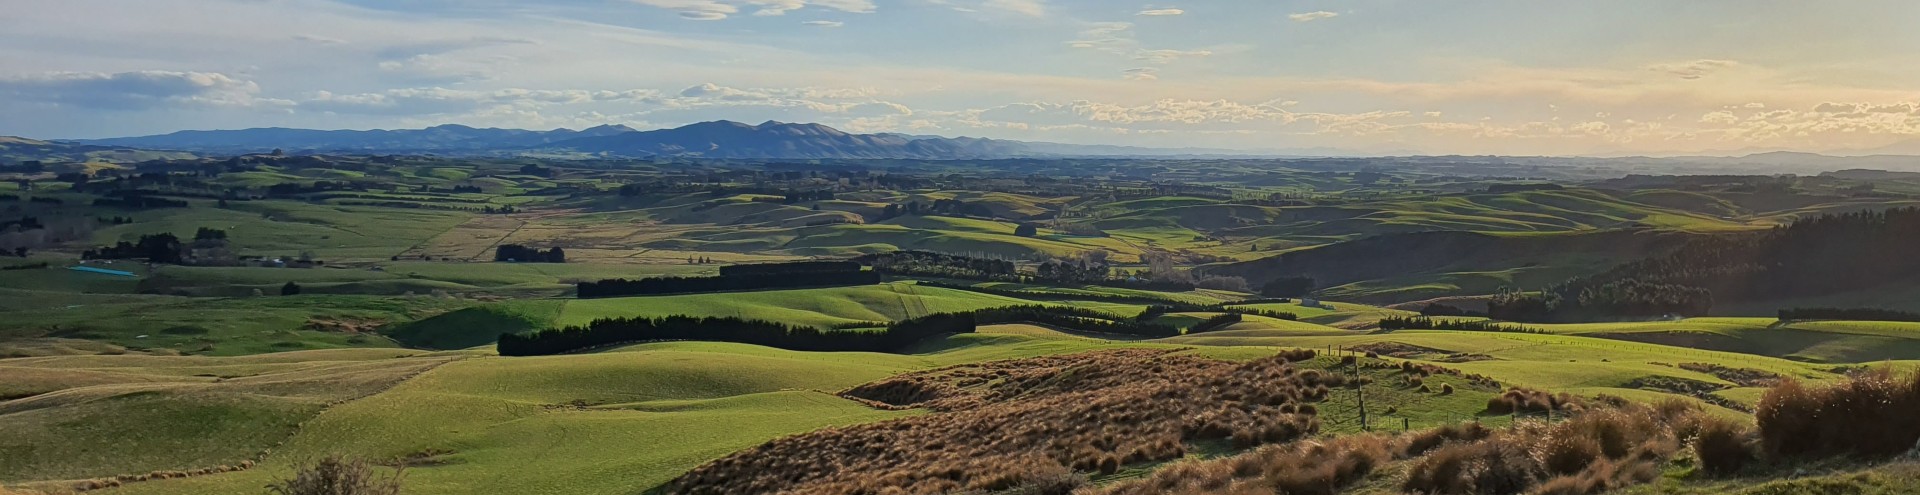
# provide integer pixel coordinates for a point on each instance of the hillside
(18, 149)
(1422, 265)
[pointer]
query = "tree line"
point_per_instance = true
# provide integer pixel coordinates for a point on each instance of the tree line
(523, 254)
(1426, 323)
(896, 337)
(931, 264)
(789, 268)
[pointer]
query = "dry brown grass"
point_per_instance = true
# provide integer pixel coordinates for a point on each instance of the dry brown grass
(1869, 415)
(1723, 446)
(1011, 424)
(1304, 468)
(1595, 451)
(1522, 400)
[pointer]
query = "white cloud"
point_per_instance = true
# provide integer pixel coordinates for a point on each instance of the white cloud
(1161, 12)
(824, 24)
(1169, 56)
(699, 10)
(714, 10)
(1141, 74)
(1695, 69)
(1035, 8)
(133, 90)
(1312, 16)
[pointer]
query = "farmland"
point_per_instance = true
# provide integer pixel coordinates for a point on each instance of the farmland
(304, 318)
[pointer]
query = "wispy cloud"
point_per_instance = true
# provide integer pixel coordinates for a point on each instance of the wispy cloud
(1694, 69)
(1169, 56)
(714, 10)
(1141, 74)
(699, 10)
(1161, 12)
(1313, 16)
(825, 24)
(1035, 8)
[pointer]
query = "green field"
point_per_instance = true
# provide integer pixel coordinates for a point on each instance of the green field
(386, 352)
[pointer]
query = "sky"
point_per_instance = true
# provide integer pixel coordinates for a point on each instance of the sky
(1509, 77)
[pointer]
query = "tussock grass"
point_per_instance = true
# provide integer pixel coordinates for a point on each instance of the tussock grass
(1002, 425)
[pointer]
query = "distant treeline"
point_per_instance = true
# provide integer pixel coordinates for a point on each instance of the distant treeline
(1848, 314)
(135, 202)
(690, 285)
(1812, 256)
(931, 264)
(1577, 301)
(896, 337)
(523, 254)
(1425, 323)
(789, 268)
(157, 248)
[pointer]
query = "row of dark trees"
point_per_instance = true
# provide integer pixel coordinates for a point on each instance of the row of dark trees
(1848, 314)
(523, 254)
(1574, 301)
(1426, 323)
(1812, 256)
(138, 202)
(158, 248)
(692, 285)
(792, 197)
(789, 268)
(931, 264)
(951, 207)
(1076, 319)
(894, 338)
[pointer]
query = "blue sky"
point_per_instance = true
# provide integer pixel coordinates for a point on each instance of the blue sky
(1371, 76)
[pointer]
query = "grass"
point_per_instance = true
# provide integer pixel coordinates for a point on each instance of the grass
(1823, 341)
(87, 420)
(633, 417)
(219, 326)
(816, 307)
(285, 228)
(643, 415)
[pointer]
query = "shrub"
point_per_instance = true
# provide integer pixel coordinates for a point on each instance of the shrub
(338, 476)
(1868, 415)
(1723, 446)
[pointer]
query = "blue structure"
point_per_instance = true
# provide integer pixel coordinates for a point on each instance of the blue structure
(102, 271)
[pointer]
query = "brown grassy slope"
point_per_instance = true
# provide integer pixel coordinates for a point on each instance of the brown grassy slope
(1012, 422)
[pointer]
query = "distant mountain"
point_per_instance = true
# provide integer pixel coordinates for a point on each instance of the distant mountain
(726, 139)
(718, 139)
(1909, 147)
(444, 138)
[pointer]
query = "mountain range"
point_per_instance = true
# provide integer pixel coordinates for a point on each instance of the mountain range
(718, 139)
(798, 141)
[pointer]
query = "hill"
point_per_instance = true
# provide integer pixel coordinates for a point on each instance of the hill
(1420, 265)
(19, 149)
